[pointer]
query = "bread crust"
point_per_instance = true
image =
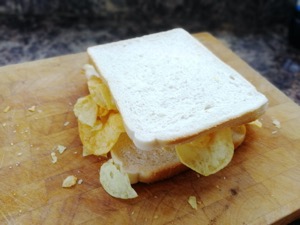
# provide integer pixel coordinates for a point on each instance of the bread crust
(243, 119)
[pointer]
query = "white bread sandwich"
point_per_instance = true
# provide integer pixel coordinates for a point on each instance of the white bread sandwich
(160, 104)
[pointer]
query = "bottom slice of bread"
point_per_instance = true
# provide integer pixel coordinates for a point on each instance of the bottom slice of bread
(156, 164)
(145, 166)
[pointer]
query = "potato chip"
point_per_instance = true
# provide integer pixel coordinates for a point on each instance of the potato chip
(256, 123)
(192, 200)
(101, 94)
(69, 181)
(102, 111)
(86, 110)
(87, 136)
(89, 71)
(115, 182)
(209, 153)
(238, 135)
(99, 139)
(6, 109)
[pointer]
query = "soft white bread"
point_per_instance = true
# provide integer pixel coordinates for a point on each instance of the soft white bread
(145, 166)
(157, 164)
(169, 88)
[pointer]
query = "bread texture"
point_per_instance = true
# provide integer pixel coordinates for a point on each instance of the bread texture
(159, 163)
(169, 88)
(145, 166)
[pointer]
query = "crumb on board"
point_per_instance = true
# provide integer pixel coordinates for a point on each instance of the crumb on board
(256, 123)
(69, 181)
(32, 108)
(80, 181)
(54, 157)
(61, 149)
(276, 123)
(193, 201)
(66, 123)
(6, 109)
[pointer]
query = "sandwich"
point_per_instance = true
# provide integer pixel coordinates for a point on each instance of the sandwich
(161, 104)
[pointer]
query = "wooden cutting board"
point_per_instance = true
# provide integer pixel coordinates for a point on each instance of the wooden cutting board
(260, 186)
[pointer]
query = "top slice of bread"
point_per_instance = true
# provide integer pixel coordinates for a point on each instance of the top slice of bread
(170, 88)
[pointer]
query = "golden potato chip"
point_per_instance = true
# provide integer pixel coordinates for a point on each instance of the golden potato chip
(89, 71)
(99, 139)
(102, 111)
(87, 136)
(193, 202)
(115, 182)
(69, 181)
(238, 135)
(209, 153)
(256, 123)
(100, 93)
(86, 110)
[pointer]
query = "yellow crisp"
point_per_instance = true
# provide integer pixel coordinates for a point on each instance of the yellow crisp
(115, 182)
(99, 139)
(193, 202)
(7, 108)
(102, 111)
(256, 123)
(101, 94)
(32, 108)
(86, 110)
(209, 153)
(238, 135)
(69, 181)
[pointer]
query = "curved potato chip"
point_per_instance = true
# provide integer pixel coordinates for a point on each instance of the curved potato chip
(102, 111)
(89, 71)
(115, 182)
(86, 110)
(99, 139)
(100, 93)
(238, 135)
(87, 136)
(207, 154)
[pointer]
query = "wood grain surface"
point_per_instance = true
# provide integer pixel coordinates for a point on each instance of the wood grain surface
(260, 186)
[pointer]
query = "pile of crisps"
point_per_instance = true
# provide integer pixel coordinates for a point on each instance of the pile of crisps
(99, 122)
(100, 125)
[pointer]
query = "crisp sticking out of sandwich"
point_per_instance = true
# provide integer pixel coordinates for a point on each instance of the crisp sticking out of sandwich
(171, 100)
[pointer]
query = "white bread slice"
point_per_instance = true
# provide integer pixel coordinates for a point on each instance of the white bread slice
(157, 164)
(145, 166)
(170, 88)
